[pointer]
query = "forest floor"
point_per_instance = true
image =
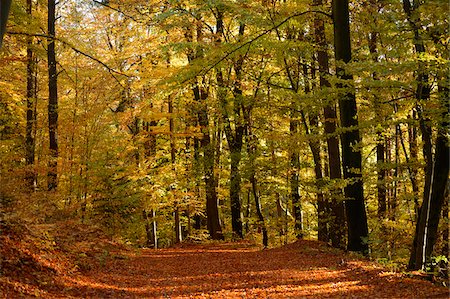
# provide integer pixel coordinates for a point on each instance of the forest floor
(75, 261)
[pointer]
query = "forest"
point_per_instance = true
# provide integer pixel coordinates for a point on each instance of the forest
(164, 123)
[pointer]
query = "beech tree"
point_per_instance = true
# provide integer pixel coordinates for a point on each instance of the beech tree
(224, 119)
(52, 98)
(350, 138)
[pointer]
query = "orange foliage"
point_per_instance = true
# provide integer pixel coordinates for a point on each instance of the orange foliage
(305, 269)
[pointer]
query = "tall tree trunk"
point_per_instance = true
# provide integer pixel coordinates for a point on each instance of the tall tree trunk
(200, 97)
(4, 11)
(234, 137)
(428, 222)
(294, 172)
(414, 150)
(235, 141)
(212, 210)
(30, 143)
(350, 138)
(380, 150)
(323, 207)
(435, 169)
(52, 99)
(445, 233)
(251, 150)
(150, 216)
(337, 223)
(176, 212)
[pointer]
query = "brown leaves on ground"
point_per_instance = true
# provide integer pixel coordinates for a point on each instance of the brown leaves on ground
(305, 269)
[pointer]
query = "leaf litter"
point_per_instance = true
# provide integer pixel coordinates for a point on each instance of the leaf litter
(70, 260)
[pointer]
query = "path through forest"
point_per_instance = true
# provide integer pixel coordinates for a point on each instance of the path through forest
(305, 269)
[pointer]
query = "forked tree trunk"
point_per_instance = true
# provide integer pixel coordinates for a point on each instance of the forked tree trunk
(200, 97)
(337, 216)
(430, 211)
(212, 210)
(234, 137)
(437, 169)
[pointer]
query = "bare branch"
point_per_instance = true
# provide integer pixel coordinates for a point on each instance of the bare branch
(116, 10)
(110, 70)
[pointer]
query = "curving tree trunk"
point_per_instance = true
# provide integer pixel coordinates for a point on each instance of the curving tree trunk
(437, 167)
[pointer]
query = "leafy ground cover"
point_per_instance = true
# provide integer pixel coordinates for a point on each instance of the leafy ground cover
(75, 261)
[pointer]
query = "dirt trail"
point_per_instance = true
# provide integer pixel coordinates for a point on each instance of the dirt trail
(305, 269)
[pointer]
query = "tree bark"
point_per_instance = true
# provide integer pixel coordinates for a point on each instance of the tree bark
(176, 212)
(350, 138)
(437, 169)
(200, 97)
(380, 150)
(212, 210)
(337, 215)
(294, 175)
(251, 150)
(430, 210)
(52, 99)
(5, 5)
(234, 137)
(30, 143)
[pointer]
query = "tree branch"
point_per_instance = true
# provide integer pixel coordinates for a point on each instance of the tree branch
(110, 70)
(249, 42)
(116, 10)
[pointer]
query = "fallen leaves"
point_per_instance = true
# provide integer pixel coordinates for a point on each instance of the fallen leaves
(304, 269)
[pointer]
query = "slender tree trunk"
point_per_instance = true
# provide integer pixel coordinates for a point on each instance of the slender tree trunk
(251, 150)
(150, 216)
(52, 99)
(235, 141)
(445, 233)
(30, 143)
(413, 150)
(196, 145)
(150, 228)
(436, 170)
(350, 138)
(428, 222)
(176, 212)
(322, 205)
(200, 97)
(248, 211)
(337, 223)
(323, 208)
(294, 175)
(212, 210)
(380, 150)
(234, 137)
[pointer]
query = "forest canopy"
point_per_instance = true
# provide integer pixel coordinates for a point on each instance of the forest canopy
(165, 121)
